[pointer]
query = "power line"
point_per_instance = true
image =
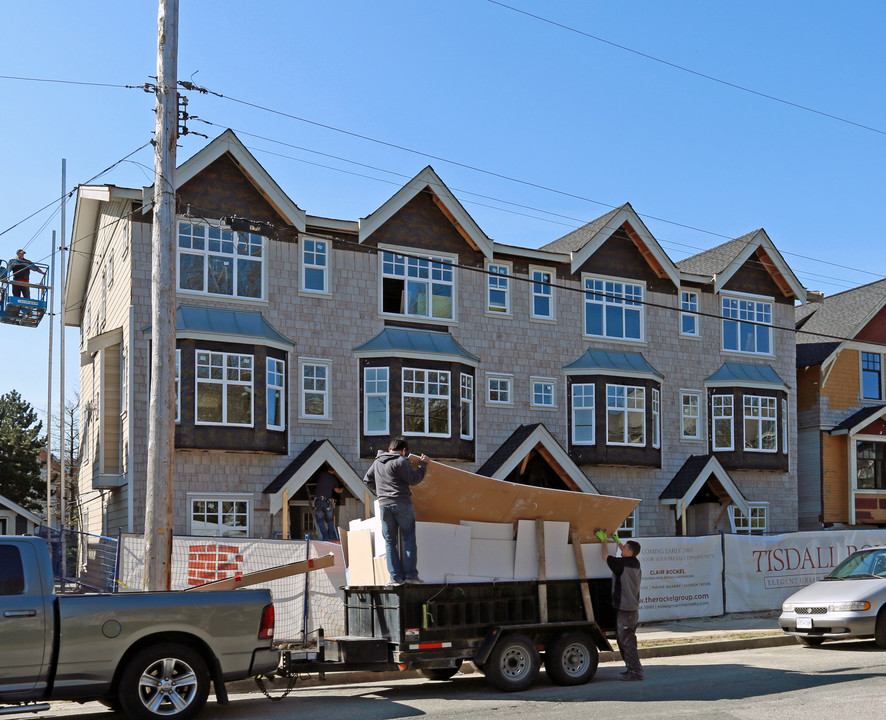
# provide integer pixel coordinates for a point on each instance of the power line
(71, 82)
(690, 70)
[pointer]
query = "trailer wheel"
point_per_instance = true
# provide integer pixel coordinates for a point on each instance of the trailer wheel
(513, 663)
(168, 680)
(571, 659)
(440, 673)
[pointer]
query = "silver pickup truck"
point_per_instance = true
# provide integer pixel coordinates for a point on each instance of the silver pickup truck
(150, 655)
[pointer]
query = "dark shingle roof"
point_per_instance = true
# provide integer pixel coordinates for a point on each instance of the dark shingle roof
(717, 259)
(686, 475)
(814, 353)
(858, 417)
(839, 316)
(577, 239)
(506, 449)
(305, 455)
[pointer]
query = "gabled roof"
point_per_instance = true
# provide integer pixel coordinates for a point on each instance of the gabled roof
(836, 320)
(19, 510)
(302, 468)
(628, 364)
(218, 324)
(402, 342)
(427, 179)
(744, 374)
(859, 420)
(586, 240)
(723, 261)
(228, 142)
(521, 443)
(693, 476)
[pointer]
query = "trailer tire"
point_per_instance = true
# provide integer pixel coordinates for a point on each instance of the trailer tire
(513, 663)
(168, 680)
(440, 673)
(571, 659)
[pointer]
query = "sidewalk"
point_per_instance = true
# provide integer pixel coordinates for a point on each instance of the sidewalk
(735, 631)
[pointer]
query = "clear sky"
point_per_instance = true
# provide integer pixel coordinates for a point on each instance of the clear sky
(537, 125)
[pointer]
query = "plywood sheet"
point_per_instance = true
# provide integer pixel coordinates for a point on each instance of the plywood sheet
(450, 495)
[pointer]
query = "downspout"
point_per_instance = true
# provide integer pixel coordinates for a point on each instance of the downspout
(852, 464)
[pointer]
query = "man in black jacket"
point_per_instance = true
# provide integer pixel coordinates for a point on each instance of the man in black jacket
(391, 476)
(626, 577)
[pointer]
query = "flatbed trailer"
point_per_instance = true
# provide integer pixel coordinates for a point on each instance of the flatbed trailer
(507, 629)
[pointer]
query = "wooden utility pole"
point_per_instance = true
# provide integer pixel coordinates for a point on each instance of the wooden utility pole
(161, 432)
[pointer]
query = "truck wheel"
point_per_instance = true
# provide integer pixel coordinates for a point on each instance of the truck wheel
(440, 673)
(571, 659)
(164, 681)
(513, 663)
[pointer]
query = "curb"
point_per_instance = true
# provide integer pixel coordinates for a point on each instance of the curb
(678, 649)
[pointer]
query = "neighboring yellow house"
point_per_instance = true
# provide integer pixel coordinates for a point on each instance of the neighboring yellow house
(841, 403)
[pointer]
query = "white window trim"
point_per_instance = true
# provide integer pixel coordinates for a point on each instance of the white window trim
(281, 388)
(548, 381)
(759, 420)
(427, 396)
(509, 377)
(220, 497)
(861, 396)
(733, 510)
(303, 266)
(327, 405)
(508, 293)
(225, 383)
(715, 417)
(412, 252)
(532, 294)
(624, 281)
(593, 409)
(205, 253)
(471, 402)
(627, 412)
(630, 524)
(387, 395)
(693, 313)
(750, 298)
(698, 425)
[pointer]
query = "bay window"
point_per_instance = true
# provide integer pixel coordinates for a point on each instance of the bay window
(625, 415)
(375, 401)
(276, 394)
(224, 388)
(425, 402)
(722, 421)
(583, 414)
(760, 423)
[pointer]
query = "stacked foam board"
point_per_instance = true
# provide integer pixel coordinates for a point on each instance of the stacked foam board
(472, 551)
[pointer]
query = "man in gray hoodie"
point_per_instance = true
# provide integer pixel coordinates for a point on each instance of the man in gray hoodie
(391, 476)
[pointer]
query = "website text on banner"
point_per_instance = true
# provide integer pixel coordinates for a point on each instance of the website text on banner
(682, 577)
(763, 570)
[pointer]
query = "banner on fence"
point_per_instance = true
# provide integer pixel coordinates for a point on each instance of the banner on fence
(763, 570)
(681, 577)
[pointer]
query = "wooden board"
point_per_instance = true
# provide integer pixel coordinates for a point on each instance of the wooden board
(450, 495)
(263, 576)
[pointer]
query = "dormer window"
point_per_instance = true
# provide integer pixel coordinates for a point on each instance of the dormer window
(419, 287)
(215, 260)
(747, 325)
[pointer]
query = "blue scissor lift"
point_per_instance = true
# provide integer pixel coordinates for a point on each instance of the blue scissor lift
(25, 311)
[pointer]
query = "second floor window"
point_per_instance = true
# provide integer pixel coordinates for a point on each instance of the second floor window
(418, 287)
(467, 407)
(315, 265)
(218, 261)
(499, 297)
(375, 400)
(613, 309)
(543, 392)
(747, 326)
(688, 314)
(314, 390)
(583, 414)
(276, 389)
(625, 415)
(760, 423)
(224, 388)
(871, 376)
(425, 402)
(542, 294)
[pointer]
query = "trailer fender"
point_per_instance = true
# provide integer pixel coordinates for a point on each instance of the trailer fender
(485, 649)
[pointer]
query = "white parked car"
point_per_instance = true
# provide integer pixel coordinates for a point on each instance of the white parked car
(850, 602)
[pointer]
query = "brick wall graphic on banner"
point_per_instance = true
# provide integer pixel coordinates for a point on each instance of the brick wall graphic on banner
(213, 561)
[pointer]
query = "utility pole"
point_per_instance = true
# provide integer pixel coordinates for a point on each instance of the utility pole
(161, 433)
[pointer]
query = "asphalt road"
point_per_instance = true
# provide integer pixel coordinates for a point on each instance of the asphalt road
(782, 683)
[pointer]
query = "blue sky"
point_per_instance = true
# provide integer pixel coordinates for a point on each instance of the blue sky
(553, 126)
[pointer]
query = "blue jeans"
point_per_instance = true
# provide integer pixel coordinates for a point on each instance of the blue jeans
(393, 517)
(323, 518)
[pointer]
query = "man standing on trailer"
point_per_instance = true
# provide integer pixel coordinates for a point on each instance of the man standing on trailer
(626, 576)
(19, 270)
(391, 476)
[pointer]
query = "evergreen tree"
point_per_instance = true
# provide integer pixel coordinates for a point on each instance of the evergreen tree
(20, 445)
